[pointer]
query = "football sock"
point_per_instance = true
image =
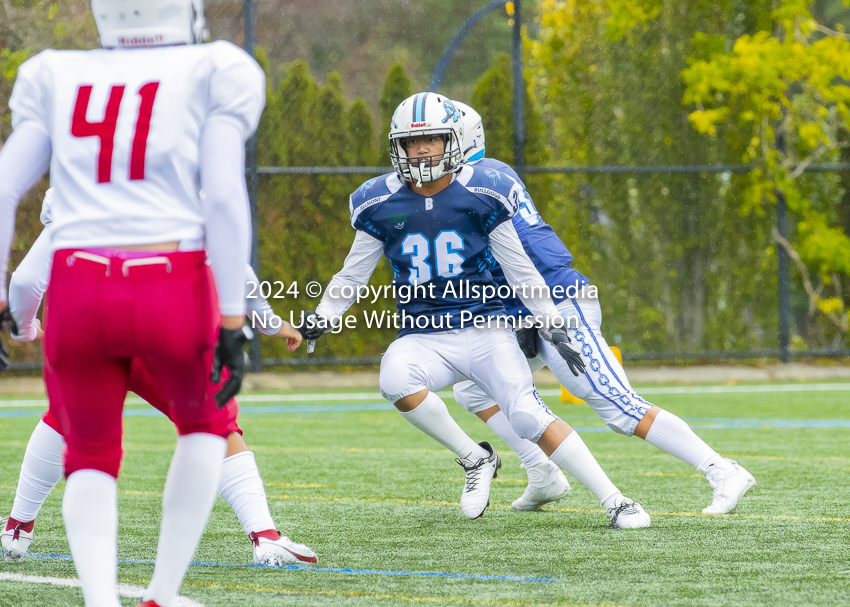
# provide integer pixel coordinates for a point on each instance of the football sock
(529, 453)
(40, 471)
(187, 501)
(242, 488)
(90, 508)
(670, 433)
(574, 457)
(433, 418)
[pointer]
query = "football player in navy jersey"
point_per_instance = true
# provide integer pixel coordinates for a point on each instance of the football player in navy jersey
(603, 385)
(441, 224)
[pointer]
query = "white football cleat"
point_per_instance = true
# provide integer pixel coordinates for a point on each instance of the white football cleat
(476, 490)
(730, 483)
(546, 484)
(628, 514)
(275, 550)
(15, 538)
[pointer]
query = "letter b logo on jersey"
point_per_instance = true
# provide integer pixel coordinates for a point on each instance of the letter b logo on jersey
(429, 204)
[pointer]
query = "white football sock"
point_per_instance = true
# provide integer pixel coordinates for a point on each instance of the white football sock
(574, 457)
(90, 509)
(242, 488)
(672, 434)
(187, 501)
(41, 469)
(433, 418)
(529, 453)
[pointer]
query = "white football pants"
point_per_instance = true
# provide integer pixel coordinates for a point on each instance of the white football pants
(604, 386)
(489, 358)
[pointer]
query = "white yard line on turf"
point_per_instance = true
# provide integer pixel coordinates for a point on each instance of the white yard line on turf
(126, 590)
(349, 396)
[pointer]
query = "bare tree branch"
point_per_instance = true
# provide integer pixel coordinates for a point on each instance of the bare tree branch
(832, 33)
(801, 167)
(840, 321)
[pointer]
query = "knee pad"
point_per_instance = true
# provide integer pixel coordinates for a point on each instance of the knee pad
(399, 379)
(529, 425)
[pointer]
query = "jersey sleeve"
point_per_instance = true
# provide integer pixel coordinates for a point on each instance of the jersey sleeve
(361, 261)
(260, 312)
(500, 194)
(29, 283)
(237, 89)
(30, 98)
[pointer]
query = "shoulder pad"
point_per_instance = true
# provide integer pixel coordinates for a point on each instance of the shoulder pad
(484, 181)
(372, 192)
(237, 87)
(497, 165)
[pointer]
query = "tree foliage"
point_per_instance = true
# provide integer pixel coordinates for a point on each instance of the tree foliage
(787, 98)
(682, 261)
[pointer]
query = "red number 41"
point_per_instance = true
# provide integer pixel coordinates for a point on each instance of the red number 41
(105, 130)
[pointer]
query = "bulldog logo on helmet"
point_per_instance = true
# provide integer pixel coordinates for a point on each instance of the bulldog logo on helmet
(451, 111)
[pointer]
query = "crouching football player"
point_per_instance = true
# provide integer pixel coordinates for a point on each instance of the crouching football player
(437, 221)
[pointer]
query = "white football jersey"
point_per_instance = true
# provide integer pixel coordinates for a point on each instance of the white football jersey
(125, 126)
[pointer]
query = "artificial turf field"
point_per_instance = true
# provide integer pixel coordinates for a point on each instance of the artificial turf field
(378, 501)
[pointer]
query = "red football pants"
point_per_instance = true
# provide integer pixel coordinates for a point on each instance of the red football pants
(106, 308)
(141, 383)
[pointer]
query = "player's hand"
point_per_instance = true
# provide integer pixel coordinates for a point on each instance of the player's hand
(6, 323)
(291, 334)
(39, 332)
(229, 353)
(527, 339)
(313, 326)
(558, 337)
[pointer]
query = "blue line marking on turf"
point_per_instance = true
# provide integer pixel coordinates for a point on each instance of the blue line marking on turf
(465, 576)
(702, 423)
(151, 412)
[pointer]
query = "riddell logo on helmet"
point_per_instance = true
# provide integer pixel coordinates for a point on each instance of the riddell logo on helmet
(416, 125)
(140, 40)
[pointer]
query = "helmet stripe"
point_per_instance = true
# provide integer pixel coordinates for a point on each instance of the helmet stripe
(419, 107)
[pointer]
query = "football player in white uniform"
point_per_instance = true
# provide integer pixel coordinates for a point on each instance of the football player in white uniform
(437, 220)
(132, 134)
(603, 385)
(240, 485)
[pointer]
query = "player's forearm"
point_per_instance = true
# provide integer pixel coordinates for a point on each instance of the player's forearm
(28, 285)
(24, 301)
(521, 272)
(227, 216)
(23, 160)
(262, 316)
(361, 261)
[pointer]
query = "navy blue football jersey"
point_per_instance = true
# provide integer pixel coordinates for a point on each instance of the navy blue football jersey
(439, 246)
(540, 242)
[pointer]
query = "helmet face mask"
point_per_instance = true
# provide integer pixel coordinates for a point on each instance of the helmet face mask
(422, 115)
(144, 23)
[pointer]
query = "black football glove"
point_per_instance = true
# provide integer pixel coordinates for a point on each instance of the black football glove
(6, 323)
(527, 339)
(229, 353)
(559, 338)
(312, 326)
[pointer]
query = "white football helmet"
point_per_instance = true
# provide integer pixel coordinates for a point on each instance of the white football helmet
(473, 133)
(135, 23)
(426, 114)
